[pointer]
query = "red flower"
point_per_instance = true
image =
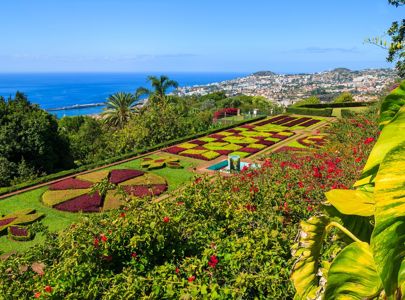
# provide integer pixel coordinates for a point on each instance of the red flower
(191, 278)
(122, 215)
(235, 189)
(107, 257)
(368, 140)
(309, 208)
(134, 255)
(300, 184)
(253, 189)
(317, 174)
(37, 295)
(48, 289)
(250, 207)
(198, 180)
(177, 271)
(213, 261)
(358, 159)
(166, 219)
(103, 238)
(180, 203)
(96, 242)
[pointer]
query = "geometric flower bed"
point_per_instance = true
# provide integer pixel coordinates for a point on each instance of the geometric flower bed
(305, 143)
(75, 194)
(161, 162)
(12, 221)
(19, 233)
(244, 140)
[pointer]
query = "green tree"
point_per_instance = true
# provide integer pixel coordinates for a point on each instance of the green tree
(160, 86)
(344, 97)
(30, 134)
(87, 137)
(396, 47)
(119, 108)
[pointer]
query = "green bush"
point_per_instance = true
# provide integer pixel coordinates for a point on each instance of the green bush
(324, 112)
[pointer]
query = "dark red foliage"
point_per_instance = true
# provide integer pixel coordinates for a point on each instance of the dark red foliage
(266, 143)
(84, 203)
(279, 136)
(18, 231)
(309, 123)
(118, 176)
(249, 150)
(216, 136)
(223, 152)
(198, 142)
(175, 150)
(70, 183)
(196, 156)
(145, 191)
(6, 221)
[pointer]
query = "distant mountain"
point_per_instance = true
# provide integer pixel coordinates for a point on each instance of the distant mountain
(264, 73)
(341, 70)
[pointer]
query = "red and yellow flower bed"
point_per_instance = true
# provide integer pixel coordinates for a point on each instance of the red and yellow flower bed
(76, 194)
(265, 133)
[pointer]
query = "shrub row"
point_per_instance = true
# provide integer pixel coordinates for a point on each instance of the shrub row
(323, 112)
(338, 105)
(54, 176)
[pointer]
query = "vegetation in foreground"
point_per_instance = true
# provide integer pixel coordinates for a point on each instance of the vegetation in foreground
(220, 237)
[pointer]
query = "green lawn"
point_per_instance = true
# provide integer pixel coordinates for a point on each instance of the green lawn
(58, 220)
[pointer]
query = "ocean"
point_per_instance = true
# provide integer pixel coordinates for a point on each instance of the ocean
(71, 94)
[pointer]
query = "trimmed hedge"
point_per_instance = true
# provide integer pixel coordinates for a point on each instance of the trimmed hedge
(323, 112)
(55, 176)
(338, 105)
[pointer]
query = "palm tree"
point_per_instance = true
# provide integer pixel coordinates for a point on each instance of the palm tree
(160, 86)
(119, 107)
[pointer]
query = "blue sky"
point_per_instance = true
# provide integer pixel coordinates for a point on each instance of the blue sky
(191, 35)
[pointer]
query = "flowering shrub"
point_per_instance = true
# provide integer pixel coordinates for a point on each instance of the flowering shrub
(225, 112)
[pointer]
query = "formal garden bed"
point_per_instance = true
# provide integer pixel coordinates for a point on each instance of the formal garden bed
(244, 140)
(80, 194)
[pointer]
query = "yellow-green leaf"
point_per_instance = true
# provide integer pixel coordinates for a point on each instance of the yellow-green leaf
(388, 238)
(353, 274)
(352, 202)
(307, 252)
(391, 136)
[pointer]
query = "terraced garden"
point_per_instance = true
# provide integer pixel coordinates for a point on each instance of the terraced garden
(57, 205)
(245, 140)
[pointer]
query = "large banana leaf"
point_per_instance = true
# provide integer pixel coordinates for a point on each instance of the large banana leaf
(391, 136)
(307, 251)
(388, 238)
(392, 103)
(352, 202)
(361, 227)
(353, 274)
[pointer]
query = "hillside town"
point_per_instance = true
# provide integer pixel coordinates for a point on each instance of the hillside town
(365, 85)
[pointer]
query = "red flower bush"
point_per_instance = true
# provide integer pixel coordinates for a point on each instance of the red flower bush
(369, 140)
(225, 111)
(213, 261)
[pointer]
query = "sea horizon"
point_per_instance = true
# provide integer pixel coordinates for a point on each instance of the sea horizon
(82, 93)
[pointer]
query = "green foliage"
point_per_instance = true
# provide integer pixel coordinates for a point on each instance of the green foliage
(392, 103)
(374, 268)
(324, 112)
(343, 98)
(29, 141)
(119, 108)
(310, 100)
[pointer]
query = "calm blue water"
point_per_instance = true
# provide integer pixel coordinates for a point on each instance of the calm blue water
(66, 89)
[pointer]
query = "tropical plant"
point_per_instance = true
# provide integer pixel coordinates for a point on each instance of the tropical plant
(371, 260)
(160, 87)
(119, 108)
(343, 97)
